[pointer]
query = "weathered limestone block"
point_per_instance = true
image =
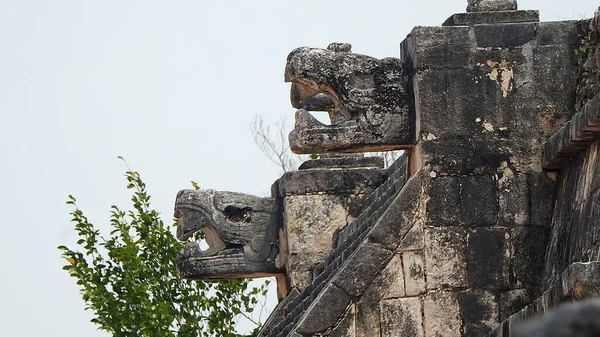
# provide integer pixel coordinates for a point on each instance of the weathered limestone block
(528, 251)
(367, 100)
(242, 231)
(368, 260)
(414, 239)
(346, 326)
(310, 222)
(477, 18)
(541, 191)
(479, 200)
(414, 272)
(444, 257)
(368, 310)
(479, 310)
(441, 314)
(394, 274)
(512, 301)
(491, 5)
(488, 258)
(401, 317)
(513, 197)
(332, 303)
(443, 206)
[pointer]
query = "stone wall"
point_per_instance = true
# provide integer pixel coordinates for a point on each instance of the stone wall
(571, 268)
(480, 230)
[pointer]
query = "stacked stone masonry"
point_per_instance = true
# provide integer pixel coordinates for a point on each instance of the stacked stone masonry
(492, 214)
(483, 209)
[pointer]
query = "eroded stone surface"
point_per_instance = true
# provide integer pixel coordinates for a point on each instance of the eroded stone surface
(414, 272)
(367, 100)
(442, 314)
(491, 5)
(479, 310)
(242, 232)
(311, 221)
(401, 317)
(444, 257)
(394, 274)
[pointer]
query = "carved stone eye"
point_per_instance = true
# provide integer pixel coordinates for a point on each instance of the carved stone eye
(237, 214)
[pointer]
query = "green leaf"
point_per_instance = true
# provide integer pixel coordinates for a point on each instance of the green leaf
(129, 281)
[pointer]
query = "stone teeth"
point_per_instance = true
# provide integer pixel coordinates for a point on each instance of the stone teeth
(305, 120)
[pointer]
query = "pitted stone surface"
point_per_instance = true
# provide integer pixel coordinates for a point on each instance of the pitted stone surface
(401, 317)
(367, 99)
(477, 18)
(242, 232)
(328, 308)
(442, 314)
(491, 5)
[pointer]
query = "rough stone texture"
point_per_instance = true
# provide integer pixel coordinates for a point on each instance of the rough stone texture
(345, 327)
(414, 272)
(443, 207)
(367, 99)
(414, 239)
(491, 5)
(467, 234)
(542, 190)
(242, 232)
(400, 216)
(368, 309)
(278, 313)
(588, 60)
(575, 137)
(332, 181)
(350, 257)
(513, 198)
(342, 162)
(512, 301)
(368, 260)
(444, 257)
(325, 311)
(479, 310)
(394, 274)
(505, 35)
(442, 314)
(488, 258)
(479, 200)
(477, 18)
(528, 248)
(489, 105)
(311, 221)
(576, 221)
(401, 317)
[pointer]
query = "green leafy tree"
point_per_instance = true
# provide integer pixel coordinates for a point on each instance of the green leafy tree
(129, 280)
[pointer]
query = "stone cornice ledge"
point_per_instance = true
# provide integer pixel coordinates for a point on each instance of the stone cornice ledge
(574, 137)
(579, 280)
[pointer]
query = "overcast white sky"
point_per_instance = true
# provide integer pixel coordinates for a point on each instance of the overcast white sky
(170, 85)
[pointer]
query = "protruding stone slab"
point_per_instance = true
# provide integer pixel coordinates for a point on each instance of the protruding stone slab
(342, 162)
(477, 18)
(573, 138)
(491, 5)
